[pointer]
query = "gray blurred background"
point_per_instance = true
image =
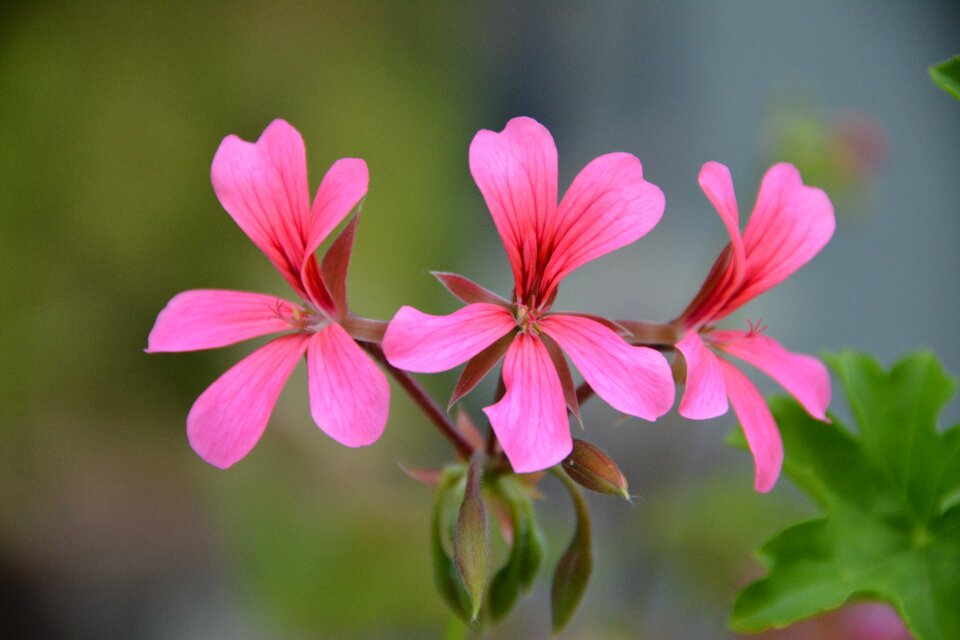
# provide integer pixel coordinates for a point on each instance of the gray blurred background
(110, 526)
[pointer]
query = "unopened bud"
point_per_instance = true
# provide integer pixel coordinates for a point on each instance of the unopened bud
(471, 542)
(593, 469)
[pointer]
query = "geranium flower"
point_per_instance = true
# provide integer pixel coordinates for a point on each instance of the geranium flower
(609, 205)
(263, 186)
(791, 222)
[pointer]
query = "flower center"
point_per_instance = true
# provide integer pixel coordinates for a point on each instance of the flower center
(528, 320)
(304, 318)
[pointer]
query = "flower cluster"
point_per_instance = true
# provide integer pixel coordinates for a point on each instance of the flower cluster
(609, 205)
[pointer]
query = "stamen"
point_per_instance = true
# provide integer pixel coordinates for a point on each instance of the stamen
(528, 321)
(756, 328)
(299, 318)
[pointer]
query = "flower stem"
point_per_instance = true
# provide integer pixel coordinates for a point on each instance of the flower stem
(579, 504)
(424, 402)
(650, 333)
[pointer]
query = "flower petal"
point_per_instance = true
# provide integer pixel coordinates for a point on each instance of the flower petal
(759, 428)
(717, 184)
(634, 380)
(705, 395)
(516, 171)
(416, 341)
(209, 318)
(608, 206)
(790, 224)
(349, 395)
(530, 421)
(344, 185)
(802, 376)
(229, 417)
(263, 186)
(728, 272)
(342, 188)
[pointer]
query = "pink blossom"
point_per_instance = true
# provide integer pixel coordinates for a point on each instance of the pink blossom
(791, 222)
(263, 186)
(608, 206)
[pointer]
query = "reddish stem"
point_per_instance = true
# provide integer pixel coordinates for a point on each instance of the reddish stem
(424, 401)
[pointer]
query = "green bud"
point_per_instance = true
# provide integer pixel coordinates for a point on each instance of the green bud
(570, 580)
(471, 543)
(445, 574)
(526, 551)
(593, 469)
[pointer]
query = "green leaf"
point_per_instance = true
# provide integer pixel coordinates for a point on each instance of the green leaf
(946, 75)
(891, 528)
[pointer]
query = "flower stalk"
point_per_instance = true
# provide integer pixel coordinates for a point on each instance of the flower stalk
(424, 402)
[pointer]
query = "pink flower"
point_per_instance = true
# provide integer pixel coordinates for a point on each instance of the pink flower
(608, 206)
(790, 224)
(263, 186)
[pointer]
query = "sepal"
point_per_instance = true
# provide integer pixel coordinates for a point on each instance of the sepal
(478, 367)
(467, 290)
(333, 267)
(566, 378)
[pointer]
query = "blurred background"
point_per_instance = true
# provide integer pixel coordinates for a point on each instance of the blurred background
(111, 527)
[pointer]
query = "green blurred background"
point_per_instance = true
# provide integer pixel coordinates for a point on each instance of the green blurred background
(110, 526)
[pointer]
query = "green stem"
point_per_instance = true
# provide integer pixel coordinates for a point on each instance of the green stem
(579, 504)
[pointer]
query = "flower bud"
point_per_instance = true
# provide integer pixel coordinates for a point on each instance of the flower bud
(570, 580)
(593, 469)
(471, 543)
(526, 549)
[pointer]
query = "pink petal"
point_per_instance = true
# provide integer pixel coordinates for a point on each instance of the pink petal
(727, 274)
(790, 224)
(263, 186)
(230, 416)
(349, 395)
(608, 206)
(758, 426)
(209, 318)
(705, 395)
(634, 380)
(804, 377)
(516, 171)
(717, 184)
(341, 189)
(530, 421)
(416, 341)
